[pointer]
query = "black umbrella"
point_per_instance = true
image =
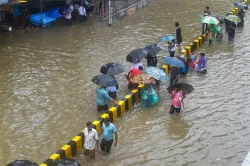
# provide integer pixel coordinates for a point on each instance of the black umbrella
(187, 88)
(112, 69)
(104, 80)
(136, 55)
(22, 163)
(152, 49)
(65, 162)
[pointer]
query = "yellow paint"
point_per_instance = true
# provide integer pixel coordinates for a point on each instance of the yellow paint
(188, 48)
(122, 105)
(236, 10)
(114, 113)
(98, 125)
(141, 86)
(78, 141)
(165, 67)
(185, 53)
(105, 116)
(129, 97)
(196, 44)
(137, 96)
(205, 37)
(67, 149)
(54, 156)
(43, 164)
(200, 40)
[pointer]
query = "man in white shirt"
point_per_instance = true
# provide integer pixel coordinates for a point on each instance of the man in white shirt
(90, 141)
(136, 65)
(82, 13)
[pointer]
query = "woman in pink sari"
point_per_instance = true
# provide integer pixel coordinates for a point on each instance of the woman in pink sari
(177, 97)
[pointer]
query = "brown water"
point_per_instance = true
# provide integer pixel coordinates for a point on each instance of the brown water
(46, 95)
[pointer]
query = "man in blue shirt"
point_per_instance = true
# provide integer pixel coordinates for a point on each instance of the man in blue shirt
(101, 99)
(108, 130)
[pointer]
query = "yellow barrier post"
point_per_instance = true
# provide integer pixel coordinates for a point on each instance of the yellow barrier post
(54, 156)
(78, 142)
(122, 106)
(136, 95)
(43, 164)
(243, 3)
(188, 48)
(67, 150)
(200, 41)
(205, 37)
(196, 44)
(113, 112)
(141, 86)
(236, 10)
(104, 116)
(192, 46)
(97, 126)
(185, 53)
(129, 99)
(165, 68)
(231, 13)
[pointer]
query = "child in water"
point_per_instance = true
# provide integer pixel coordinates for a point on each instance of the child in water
(177, 97)
(192, 59)
(202, 63)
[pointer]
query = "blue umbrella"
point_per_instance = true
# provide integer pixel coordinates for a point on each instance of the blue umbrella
(156, 73)
(167, 38)
(174, 61)
(240, 5)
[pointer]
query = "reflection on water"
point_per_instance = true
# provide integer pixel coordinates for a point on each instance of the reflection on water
(47, 96)
(177, 127)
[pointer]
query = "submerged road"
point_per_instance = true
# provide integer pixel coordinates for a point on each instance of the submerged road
(46, 95)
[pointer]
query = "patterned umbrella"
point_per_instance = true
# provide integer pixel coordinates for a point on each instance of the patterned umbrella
(156, 73)
(233, 18)
(142, 79)
(209, 20)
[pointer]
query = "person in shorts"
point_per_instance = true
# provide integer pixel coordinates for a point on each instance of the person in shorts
(90, 140)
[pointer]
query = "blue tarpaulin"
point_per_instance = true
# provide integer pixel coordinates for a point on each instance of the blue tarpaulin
(3, 1)
(47, 17)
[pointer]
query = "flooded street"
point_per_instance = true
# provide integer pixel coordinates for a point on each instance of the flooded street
(46, 93)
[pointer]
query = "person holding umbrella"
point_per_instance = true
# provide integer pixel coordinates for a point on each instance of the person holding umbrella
(241, 15)
(177, 93)
(176, 63)
(136, 56)
(112, 69)
(177, 97)
(102, 96)
(152, 50)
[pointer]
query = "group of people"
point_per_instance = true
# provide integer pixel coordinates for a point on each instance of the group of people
(216, 31)
(70, 8)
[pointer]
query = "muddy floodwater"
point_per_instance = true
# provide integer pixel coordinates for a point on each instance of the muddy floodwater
(46, 93)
